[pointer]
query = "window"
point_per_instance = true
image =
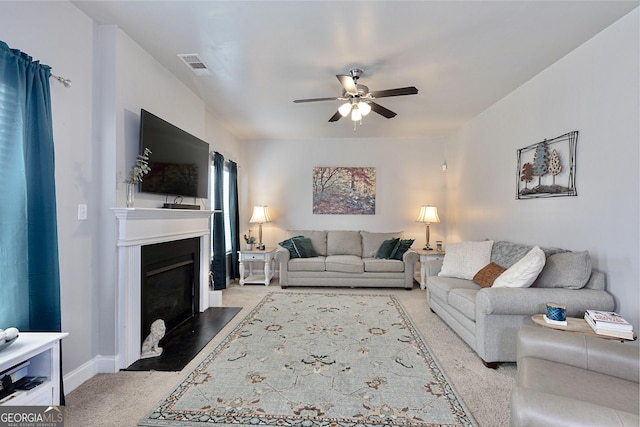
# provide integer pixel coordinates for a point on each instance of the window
(225, 208)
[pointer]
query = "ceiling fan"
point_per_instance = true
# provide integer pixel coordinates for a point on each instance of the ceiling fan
(358, 99)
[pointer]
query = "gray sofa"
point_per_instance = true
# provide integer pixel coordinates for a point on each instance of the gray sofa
(569, 379)
(488, 319)
(346, 259)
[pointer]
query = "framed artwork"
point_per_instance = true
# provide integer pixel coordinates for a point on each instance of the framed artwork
(548, 168)
(344, 190)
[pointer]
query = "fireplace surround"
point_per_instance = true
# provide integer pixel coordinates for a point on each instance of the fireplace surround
(137, 227)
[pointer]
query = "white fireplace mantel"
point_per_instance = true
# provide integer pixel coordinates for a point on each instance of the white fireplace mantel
(138, 227)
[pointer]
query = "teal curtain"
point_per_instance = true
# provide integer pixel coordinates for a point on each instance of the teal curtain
(218, 265)
(29, 270)
(234, 217)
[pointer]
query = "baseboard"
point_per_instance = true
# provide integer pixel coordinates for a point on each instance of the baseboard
(89, 369)
(215, 298)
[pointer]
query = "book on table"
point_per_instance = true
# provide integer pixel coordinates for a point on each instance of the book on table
(608, 320)
(628, 335)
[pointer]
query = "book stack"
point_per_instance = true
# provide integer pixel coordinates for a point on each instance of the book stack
(609, 323)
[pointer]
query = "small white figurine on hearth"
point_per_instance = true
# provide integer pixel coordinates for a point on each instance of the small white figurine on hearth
(150, 345)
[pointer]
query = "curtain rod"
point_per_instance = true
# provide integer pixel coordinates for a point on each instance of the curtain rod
(65, 82)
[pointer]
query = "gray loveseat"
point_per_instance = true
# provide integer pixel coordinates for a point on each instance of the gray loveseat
(570, 379)
(346, 259)
(488, 319)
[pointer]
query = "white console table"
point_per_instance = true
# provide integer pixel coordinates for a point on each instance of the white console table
(266, 256)
(38, 353)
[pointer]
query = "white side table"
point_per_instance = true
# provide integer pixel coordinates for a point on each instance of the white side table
(265, 256)
(424, 257)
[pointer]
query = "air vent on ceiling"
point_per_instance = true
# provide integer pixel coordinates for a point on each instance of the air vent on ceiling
(196, 64)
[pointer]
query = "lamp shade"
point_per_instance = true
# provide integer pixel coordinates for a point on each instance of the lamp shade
(345, 109)
(260, 215)
(428, 214)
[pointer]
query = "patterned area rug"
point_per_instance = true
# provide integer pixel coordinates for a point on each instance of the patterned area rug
(310, 359)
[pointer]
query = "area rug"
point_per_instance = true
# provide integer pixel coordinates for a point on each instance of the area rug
(317, 359)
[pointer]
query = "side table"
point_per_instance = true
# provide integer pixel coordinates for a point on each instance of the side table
(424, 257)
(574, 324)
(265, 256)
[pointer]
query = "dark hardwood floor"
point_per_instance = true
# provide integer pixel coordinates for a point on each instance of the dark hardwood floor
(184, 342)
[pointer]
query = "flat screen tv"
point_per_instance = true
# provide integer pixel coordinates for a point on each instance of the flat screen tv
(179, 161)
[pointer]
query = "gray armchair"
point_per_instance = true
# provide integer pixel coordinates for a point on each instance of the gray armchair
(570, 379)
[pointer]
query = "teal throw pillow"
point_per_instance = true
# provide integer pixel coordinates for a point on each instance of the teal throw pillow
(401, 247)
(299, 247)
(384, 251)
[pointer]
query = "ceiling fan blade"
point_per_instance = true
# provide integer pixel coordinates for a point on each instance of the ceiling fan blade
(411, 90)
(297, 101)
(382, 111)
(337, 116)
(347, 83)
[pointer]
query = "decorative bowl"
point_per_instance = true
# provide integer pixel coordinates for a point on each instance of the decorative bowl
(8, 343)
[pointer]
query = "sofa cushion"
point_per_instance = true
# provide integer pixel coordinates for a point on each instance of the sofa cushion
(464, 300)
(318, 239)
(569, 270)
(372, 241)
(386, 247)
(524, 272)
(401, 247)
(505, 254)
(439, 287)
(463, 260)
(307, 264)
(344, 243)
(344, 263)
(383, 265)
(488, 274)
(299, 247)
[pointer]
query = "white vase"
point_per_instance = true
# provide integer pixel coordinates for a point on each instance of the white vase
(130, 195)
(249, 246)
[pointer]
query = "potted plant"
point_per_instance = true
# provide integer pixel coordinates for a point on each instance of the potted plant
(138, 170)
(249, 240)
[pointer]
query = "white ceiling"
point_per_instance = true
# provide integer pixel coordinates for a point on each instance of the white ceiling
(463, 56)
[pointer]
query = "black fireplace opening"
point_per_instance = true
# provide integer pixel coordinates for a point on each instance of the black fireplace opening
(170, 283)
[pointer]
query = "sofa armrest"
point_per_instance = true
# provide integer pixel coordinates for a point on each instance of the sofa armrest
(282, 257)
(410, 257)
(607, 357)
(519, 301)
(535, 408)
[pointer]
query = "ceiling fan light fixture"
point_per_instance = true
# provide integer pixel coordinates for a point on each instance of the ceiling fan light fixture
(364, 108)
(345, 109)
(356, 115)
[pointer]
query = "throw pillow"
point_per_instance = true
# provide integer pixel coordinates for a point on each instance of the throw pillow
(299, 247)
(488, 274)
(384, 251)
(570, 270)
(401, 247)
(524, 272)
(463, 260)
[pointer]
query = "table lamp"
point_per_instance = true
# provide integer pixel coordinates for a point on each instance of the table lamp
(260, 216)
(428, 215)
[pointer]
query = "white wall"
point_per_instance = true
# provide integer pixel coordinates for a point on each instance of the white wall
(408, 175)
(59, 35)
(594, 90)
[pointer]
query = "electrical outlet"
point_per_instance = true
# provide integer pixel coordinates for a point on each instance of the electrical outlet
(82, 212)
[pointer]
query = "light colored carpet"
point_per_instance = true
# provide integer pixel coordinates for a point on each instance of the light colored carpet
(124, 398)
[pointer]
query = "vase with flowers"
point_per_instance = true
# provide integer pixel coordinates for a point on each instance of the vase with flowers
(138, 170)
(249, 240)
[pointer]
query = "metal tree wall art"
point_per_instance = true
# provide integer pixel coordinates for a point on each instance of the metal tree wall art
(556, 172)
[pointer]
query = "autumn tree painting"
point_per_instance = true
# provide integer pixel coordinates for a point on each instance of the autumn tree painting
(344, 190)
(535, 161)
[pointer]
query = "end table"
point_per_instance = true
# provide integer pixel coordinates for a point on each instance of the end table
(424, 256)
(265, 256)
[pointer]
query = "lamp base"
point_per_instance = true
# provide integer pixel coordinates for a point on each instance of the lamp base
(427, 248)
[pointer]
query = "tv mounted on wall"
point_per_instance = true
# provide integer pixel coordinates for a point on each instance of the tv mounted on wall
(179, 161)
